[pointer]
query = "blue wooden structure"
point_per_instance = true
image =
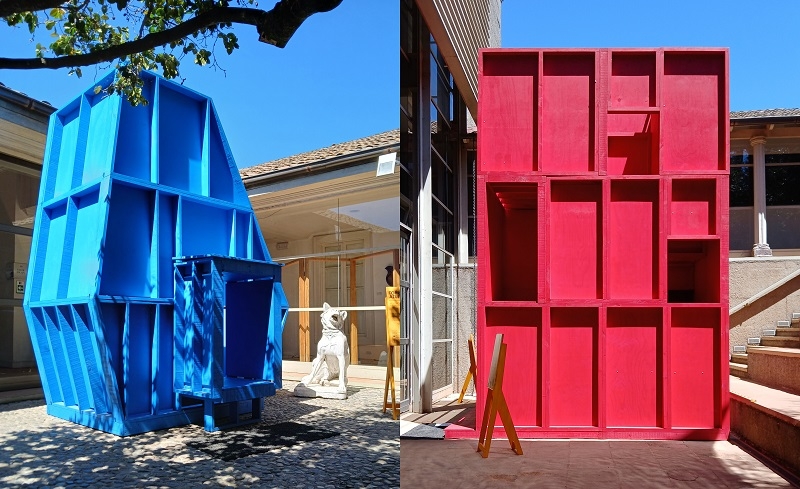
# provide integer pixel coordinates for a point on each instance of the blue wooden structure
(152, 300)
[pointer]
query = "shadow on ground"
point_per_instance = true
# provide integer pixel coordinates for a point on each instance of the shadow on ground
(299, 442)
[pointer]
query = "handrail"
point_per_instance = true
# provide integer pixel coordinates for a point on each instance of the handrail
(766, 291)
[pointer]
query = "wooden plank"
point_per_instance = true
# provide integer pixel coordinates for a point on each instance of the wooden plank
(303, 321)
(353, 316)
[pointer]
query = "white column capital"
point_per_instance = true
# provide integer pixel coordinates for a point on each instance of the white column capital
(758, 140)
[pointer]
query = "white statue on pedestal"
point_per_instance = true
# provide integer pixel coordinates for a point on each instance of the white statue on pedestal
(333, 358)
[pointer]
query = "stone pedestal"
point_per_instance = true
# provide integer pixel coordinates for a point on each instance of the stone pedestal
(760, 250)
(324, 391)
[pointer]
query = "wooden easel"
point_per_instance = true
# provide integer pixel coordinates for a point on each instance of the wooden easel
(392, 342)
(473, 369)
(496, 403)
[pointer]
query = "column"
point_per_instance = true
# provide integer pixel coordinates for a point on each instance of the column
(760, 248)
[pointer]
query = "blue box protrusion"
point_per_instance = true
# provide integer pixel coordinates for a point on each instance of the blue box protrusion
(152, 300)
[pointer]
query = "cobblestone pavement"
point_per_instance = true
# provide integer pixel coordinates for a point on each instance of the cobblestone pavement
(37, 450)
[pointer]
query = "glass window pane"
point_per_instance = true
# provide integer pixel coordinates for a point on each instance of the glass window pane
(783, 185)
(14, 252)
(741, 193)
(442, 227)
(19, 193)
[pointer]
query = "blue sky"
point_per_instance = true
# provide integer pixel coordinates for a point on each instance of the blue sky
(762, 36)
(336, 80)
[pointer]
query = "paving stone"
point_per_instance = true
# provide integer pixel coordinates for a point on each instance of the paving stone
(40, 450)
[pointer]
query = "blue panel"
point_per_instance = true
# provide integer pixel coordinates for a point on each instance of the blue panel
(50, 163)
(273, 366)
(167, 223)
(247, 324)
(181, 122)
(163, 397)
(197, 220)
(259, 247)
(239, 193)
(69, 142)
(221, 167)
(60, 357)
(127, 268)
(99, 140)
(90, 358)
(47, 364)
(195, 338)
(242, 234)
(182, 321)
(137, 351)
(112, 317)
(132, 155)
(56, 225)
(67, 246)
(73, 354)
(88, 230)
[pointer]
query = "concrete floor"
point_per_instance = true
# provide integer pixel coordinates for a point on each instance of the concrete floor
(573, 463)
(583, 463)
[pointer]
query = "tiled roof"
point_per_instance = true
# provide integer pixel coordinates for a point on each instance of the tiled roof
(383, 139)
(765, 114)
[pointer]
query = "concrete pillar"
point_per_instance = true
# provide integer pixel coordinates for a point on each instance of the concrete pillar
(760, 248)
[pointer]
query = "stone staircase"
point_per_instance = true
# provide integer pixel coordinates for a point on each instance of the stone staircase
(785, 335)
(765, 395)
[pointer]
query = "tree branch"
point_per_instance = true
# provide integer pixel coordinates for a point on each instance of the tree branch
(289, 16)
(8, 7)
(274, 27)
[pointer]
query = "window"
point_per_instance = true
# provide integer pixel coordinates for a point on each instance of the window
(741, 192)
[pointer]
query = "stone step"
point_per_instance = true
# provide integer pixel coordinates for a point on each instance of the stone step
(767, 420)
(774, 367)
(740, 358)
(738, 370)
(18, 382)
(790, 331)
(780, 341)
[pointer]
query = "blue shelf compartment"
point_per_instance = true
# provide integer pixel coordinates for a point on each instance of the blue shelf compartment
(229, 319)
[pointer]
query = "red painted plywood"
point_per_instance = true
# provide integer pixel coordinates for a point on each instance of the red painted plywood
(513, 241)
(522, 328)
(568, 112)
(693, 207)
(575, 230)
(632, 144)
(633, 80)
(633, 370)
(693, 112)
(693, 271)
(508, 94)
(573, 367)
(694, 367)
(633, 240)
(629, 206)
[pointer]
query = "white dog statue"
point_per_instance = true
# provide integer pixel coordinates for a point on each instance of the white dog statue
(333, 358)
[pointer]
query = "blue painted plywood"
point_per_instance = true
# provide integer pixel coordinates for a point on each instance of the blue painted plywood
(127, 328)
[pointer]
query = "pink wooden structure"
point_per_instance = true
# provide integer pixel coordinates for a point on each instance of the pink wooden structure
(603, 226)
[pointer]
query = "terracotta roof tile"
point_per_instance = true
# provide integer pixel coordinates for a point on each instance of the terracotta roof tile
(765, 113)
(387, 138)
